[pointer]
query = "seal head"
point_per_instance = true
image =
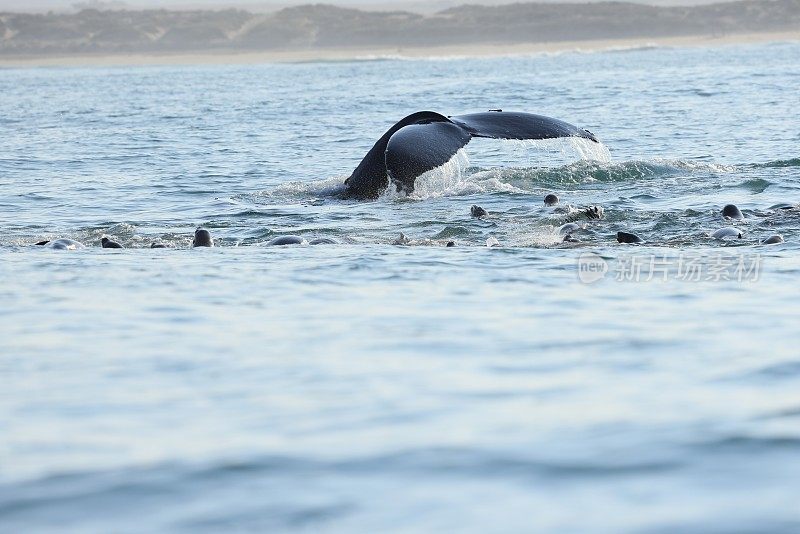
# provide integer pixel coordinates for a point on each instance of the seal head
(287, 240)
(732, 212)
(625, 237)
(107, 243)
(61, 244)
(728, 231)
(773, 240)
(477, 211)
(550, 200)
(202, 238)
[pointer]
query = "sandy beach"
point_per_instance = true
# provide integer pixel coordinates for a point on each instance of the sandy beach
(343, 54)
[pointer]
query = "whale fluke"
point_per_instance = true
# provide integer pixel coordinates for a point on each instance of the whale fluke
(425, 140)
(518, 125)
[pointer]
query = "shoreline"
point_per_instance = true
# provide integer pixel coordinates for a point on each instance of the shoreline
(227, 57)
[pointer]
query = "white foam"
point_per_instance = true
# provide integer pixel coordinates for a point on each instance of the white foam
(449, 179)
(327, 187)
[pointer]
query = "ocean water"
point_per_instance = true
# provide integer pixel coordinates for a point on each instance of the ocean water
(364, 386)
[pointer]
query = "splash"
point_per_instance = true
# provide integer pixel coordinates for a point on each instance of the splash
(538, 152)
(446, 180)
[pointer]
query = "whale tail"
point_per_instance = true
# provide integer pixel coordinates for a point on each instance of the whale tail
(425, 140)
(518, 125)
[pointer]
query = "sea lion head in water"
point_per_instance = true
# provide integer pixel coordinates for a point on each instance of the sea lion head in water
(550, 200)
(732, 212)
(477, 211)
(107, 243)
(61, 244)
(728, 231)
(625, 237)
(773, 240)
(202, 238)
(287, 240)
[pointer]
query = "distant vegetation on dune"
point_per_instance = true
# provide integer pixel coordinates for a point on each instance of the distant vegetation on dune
(324, 26)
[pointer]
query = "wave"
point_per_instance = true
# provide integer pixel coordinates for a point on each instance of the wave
(750, 443)
(782, 370)
(469, 461)
(645, 47)
(794, 162)
(364, 58)
(468, 52)
(457, 179)
(208, 496)
(755, 185)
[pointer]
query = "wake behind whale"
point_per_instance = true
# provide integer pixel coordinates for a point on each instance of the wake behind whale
(462, 176)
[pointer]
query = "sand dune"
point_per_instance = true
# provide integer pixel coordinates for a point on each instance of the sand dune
(323, 31)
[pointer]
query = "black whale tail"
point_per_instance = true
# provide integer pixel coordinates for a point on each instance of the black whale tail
(370, 178)
(425, 140)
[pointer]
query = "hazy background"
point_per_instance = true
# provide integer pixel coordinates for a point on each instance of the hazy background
(272, 5)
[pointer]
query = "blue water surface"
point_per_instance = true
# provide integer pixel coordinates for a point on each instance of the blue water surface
(371, 387)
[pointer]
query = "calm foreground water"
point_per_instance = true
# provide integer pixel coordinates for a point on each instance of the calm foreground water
(370, 387)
